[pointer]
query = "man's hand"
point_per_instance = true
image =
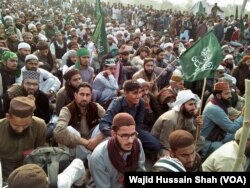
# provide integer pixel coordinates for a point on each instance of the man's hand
(92, 143)
(199, 122)
(106, 73)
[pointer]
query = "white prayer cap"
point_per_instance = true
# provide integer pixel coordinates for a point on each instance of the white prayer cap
(23, 45)
(167, 45)
(220, 68)
(228, 56)
(137, 30)
(31, 57)
(182, 97)
(7, 17)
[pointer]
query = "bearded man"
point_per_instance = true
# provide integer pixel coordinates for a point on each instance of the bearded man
(30, 86)
(181, 117)
(66, 94)
(218, 128)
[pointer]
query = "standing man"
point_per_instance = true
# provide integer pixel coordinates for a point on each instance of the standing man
(20, 133)
(121, 153)
(77, 121)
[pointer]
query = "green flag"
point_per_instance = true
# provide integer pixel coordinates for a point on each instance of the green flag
(100, 37)
(236, 12)
(98, 10)
(242, 28)
(202, 58)
(201, 11)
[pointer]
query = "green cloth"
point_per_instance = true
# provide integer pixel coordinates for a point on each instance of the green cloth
(100, 38)
(202, 59)
(9, 55)
(9, 32)
(82, 52)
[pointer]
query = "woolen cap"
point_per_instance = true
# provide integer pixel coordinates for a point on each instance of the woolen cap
(22, 106)
(220, 86)
(28, 176)
(123, 119)
(246, 58)
(180, 139)
(31, 75)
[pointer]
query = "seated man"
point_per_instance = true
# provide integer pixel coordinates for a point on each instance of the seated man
(77, 121)
(132, 103)
(182, 147)
(223, 159)
(181, 117)
(30, 86)
(121, 153)
(48, 83)
(66, 94)
(20, 133)
(217, 127)
(35, 176)
(106, 83)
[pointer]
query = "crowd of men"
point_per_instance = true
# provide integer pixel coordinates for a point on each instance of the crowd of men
(129, 110)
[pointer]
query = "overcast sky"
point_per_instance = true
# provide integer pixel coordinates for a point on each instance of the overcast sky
(219, 2)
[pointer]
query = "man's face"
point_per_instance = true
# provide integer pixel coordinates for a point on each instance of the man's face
(11, 64)
(44, 52)
(178, 86)
(32, 65)
(160, 56)
(219, 73)
(18, 124)
(186, 155)
(125, 137)
(133, 97)
(149, 67)
(188, 109)
(31, 86)
(13, 38)
(144, 90)
(84, 60)
(112, 69)
(83, 96)
(28, 39)
(25, 51)
(226, 96)
(75, 80)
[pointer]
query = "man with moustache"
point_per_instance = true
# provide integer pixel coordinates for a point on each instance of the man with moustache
(176, 83)
(147, 73)
(66, 94)
(30, 86)
(48, 83)
(180, 117)
(77, 121)
(20, 133)
(131, 102)
(121, 153)
(24, 49)
(8, 74)
(217, 127)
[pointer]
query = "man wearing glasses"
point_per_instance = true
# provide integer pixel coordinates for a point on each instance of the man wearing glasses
(121, 153)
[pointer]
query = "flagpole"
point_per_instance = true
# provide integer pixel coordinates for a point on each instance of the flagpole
(202, 97)
(246, 127)
(164, 70)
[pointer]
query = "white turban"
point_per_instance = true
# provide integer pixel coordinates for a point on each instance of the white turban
(182, 97)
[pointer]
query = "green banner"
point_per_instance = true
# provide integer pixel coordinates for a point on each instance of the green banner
(202, 58)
